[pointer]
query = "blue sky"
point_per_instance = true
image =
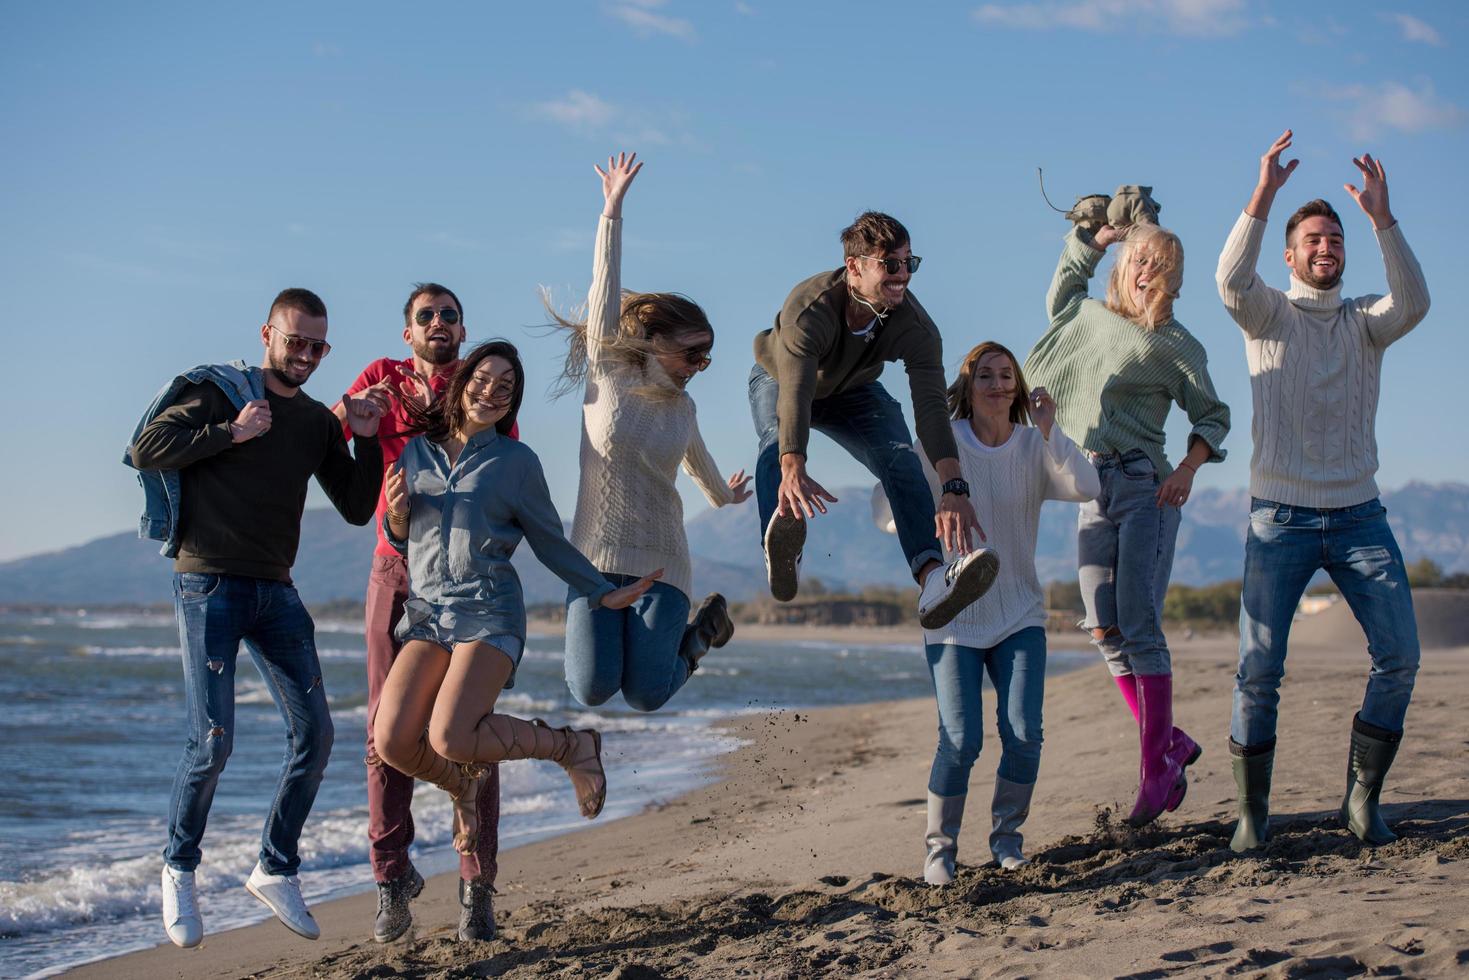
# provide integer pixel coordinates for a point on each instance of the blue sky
(169, 167)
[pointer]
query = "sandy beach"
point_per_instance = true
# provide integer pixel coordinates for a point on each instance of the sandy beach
(801, 860)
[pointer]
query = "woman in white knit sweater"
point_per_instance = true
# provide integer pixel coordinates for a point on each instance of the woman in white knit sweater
(635, 355)
(1012, 468)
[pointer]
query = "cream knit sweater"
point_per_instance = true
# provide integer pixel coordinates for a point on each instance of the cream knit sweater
(1007, 485)
(629, 517)
(1315, 367)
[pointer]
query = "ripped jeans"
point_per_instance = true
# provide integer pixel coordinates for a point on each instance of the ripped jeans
(868, 423)
(215, 613)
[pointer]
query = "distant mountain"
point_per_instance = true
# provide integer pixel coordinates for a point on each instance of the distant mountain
(844, 550)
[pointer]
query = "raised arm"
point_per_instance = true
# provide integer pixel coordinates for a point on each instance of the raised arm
(352, 483)
(604, 301)
(1252, 304)
(1406, 304)
(1079, 257)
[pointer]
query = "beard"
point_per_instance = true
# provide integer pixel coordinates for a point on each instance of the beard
(281, 372)
(436, 354)
(1316, 281)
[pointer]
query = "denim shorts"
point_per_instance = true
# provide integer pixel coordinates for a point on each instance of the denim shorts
(449, 624)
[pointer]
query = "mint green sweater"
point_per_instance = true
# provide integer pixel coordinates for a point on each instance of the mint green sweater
(1114, 381)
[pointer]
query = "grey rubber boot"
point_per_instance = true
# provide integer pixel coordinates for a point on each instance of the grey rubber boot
(945, 814)
(1253, 766)
(1372, 753)
(393, 915)
(1009, 809)
(476, 910)
(711, 627)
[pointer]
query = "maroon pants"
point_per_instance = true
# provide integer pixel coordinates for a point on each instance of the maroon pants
(389, 792)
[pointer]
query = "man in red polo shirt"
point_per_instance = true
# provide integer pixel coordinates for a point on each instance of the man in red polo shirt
(433, 327)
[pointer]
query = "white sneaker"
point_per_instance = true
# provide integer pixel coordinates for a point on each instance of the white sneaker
(282, 895)
(784, 538)
(181, 909)
(948, 590)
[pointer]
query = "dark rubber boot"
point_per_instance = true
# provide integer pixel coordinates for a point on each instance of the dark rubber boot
(476, 911)
(1371, 757)
(393, 915)
(711, 627)
(1253, 765)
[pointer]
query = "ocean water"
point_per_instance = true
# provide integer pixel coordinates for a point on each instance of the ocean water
(92, 729)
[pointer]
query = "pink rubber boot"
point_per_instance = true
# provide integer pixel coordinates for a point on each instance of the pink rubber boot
(1162, 780)
(1182, 749)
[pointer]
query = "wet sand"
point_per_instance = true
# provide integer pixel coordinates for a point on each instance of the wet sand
(803, 860)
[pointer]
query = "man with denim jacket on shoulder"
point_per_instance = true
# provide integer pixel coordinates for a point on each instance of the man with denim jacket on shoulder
(242, 480)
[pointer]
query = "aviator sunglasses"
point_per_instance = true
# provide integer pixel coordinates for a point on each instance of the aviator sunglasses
(316, 348)
(425, 316)
(891, 266)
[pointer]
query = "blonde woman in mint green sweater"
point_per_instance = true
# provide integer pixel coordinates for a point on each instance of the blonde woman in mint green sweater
(1115, 369)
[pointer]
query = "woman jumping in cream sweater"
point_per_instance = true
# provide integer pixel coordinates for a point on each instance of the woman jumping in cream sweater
(635, 355)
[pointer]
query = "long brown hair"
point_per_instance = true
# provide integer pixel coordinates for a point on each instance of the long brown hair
(960, 405)
(445, 415)
(645, 320)
(1166, 251)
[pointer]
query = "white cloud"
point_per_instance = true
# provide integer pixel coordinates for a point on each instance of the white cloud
(1416, 30)
(578, 109)
(1188, 17)
(643, 17)
(1393, 105)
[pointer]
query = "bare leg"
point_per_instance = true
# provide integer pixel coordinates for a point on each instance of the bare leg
(399, 731)
(464, 726)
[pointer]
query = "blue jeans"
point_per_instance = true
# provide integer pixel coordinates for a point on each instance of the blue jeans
(1285, 546)
(215, 613)
(1124, 550)
(868, 423)
(1017, 669)
(633, 650)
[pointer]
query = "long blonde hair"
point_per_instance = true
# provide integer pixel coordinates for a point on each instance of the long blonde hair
(1165, 251)
(646, 318)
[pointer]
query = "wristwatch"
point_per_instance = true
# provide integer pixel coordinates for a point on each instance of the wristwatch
(957, 486)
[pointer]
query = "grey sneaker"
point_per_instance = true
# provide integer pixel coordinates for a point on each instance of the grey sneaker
(393, 915)
(784, 538)
(948, 590)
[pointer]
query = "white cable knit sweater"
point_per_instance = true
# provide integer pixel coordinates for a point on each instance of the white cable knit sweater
(629, 517)
(1315, 367)
(1007, 485)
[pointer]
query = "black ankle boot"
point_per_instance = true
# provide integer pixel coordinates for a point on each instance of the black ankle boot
(711, 627)
(393, 915)
(476, 910)
(1372, 753)
(1253, 766)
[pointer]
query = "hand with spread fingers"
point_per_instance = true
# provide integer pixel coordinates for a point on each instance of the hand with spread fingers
(628, 594)
(739, 486)
(799, 495)
(1372, 198)
(616, 179)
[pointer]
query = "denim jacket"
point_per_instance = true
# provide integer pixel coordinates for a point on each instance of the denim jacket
(161, 490)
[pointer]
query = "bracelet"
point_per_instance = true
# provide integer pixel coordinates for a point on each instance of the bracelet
(397, 517)
(1192, 469)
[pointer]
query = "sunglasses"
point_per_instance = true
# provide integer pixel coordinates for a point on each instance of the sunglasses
(891, 266)
(294, 344)
(425, 316)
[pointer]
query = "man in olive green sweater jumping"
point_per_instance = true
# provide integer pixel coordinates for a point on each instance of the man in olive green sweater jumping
(818, 368)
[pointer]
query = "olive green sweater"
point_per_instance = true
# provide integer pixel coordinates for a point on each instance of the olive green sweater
(811, 354)
(1113, 380)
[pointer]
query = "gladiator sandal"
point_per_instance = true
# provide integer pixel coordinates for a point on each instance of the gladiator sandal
(462, 782)
(578, 751)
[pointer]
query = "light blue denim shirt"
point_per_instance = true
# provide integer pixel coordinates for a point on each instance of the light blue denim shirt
(466, 520)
